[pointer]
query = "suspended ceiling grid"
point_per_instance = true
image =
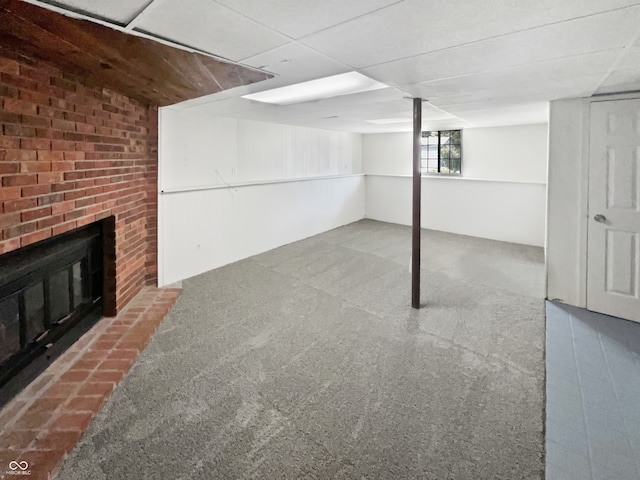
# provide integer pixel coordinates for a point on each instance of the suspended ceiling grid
(496, 62)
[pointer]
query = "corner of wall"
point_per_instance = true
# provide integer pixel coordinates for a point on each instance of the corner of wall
(567, 201)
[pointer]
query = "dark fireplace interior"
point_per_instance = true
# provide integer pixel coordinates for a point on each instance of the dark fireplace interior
(51, 292)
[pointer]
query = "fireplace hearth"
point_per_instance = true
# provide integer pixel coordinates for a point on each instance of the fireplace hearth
(50, 293)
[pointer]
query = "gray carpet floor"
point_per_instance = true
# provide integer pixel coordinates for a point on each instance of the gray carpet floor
(308, 362)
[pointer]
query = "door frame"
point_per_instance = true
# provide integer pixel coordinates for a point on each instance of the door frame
(597, 297)
(566, 258)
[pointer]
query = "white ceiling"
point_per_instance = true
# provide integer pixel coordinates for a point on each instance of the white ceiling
(496, 62)
(120, 11)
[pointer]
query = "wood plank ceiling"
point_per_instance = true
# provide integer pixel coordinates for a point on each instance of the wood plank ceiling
(150, 72)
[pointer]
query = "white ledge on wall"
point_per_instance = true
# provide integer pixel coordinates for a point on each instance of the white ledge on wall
(257, 182)
(456, 178)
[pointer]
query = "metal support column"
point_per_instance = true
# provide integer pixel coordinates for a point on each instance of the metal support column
(417, 196)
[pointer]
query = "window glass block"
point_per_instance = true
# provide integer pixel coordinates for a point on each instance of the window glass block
(443, 151)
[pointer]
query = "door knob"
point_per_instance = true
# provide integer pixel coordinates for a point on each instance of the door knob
(600, 218)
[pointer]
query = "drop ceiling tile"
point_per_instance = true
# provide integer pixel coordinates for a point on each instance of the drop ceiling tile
(293, 63)
(297, 18)
(621, 81)
(414, 27)
(461, 110)
(363, 106)
(210, 27)
(563, 78)
(630, 59)
(581, 36)
(120, 11)
(513, 114)
(445, 124)
(625, 77)
(236, 107)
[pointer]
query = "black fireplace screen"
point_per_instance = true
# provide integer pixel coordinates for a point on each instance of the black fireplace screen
(45, 289)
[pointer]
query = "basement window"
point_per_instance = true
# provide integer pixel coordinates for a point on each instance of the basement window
(441, 152)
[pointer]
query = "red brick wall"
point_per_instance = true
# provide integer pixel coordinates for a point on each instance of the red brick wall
(71, 154)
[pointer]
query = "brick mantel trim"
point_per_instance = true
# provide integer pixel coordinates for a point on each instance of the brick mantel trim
(71, 154)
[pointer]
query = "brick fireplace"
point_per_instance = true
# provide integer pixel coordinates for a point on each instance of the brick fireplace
(73, 154)
(78, 160)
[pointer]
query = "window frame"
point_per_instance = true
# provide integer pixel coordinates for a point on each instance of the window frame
(424, 169)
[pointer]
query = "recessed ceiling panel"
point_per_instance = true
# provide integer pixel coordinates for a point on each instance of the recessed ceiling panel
(564, 78)
(364, 106)
(414, 27)
(297, 18)
(119, 11)
(576, 37)
(326, 87)
(210, 27)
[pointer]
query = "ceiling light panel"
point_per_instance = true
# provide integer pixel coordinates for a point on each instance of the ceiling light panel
(209, 27)
(119, 11)
(382, 103)
(327, 87)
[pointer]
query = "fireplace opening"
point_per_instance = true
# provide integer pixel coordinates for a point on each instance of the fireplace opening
(51, 292)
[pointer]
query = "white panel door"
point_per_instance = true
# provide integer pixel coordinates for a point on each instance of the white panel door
(614, 209)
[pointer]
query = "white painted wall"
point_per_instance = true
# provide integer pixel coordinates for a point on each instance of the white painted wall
(515, 153)
(566, 249)
(387, 153)
(205, 229)
(500, 196)
(233, 188)
(199, 149)
(505, 211)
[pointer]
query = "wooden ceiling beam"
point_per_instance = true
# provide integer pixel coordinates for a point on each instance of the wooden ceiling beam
(148, 71)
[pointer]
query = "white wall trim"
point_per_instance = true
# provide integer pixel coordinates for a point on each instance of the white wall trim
(225, 225)
(455, 178)
(584, 203)
(160, 208)
(256, 183)
(504, 211)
